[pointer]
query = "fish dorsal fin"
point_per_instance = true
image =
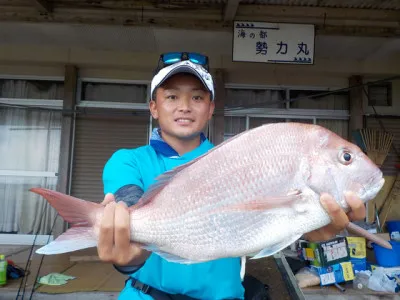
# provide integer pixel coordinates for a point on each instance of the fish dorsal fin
(165, 178)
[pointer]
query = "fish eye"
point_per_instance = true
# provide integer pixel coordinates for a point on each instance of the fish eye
(345, 157)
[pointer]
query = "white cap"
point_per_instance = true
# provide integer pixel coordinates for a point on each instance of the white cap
(185, 66)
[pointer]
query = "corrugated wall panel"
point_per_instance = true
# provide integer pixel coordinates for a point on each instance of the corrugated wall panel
(366, 4)
(391, 125)
(96, 139)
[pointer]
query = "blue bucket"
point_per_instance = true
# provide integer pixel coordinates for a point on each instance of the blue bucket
(387, 257)
(393, 228)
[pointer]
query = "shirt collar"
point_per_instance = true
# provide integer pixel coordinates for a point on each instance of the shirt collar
(157, 142)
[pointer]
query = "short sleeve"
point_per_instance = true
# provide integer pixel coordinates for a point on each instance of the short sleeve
(120, 170)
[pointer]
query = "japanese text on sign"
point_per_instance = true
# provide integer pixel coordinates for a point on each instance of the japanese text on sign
(273, 43)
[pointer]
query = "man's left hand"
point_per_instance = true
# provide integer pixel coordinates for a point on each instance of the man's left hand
(339, 218)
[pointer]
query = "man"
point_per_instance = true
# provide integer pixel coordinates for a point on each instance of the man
(182, 102)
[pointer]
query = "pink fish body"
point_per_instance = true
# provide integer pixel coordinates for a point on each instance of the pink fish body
(253, 195)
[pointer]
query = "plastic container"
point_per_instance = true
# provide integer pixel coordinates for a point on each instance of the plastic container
(387, 257)
(393, 228)
(360, 281)
(3, 270)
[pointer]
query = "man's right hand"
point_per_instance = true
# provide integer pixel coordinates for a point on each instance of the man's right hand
(114, 243)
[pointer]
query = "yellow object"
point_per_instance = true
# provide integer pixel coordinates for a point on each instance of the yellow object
(3, 270)
(348, 273)
(310, 253)
(357, 247)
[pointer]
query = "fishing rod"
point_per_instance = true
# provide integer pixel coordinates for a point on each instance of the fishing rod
(45, 207)
(41, 260)
(24, 280)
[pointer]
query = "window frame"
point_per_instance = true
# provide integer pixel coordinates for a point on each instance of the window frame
(29, 239)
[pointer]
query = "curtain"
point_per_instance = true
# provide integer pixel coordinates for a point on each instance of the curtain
(259, 121)
(233, 126)
(304, 100)
(30, 142)
(31, 89)
(255, 98)
(109, 92)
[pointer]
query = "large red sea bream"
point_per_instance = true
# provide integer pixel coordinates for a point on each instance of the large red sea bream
(252, 195)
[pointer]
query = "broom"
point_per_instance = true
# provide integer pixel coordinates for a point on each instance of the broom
(375, 143)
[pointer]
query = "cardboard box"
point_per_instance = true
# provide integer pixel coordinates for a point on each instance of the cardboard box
(358, 252)
(359, 265)
(336, 273)
(327, 253)
(357, 247)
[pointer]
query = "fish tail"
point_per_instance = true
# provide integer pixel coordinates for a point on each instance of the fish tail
(81, 216)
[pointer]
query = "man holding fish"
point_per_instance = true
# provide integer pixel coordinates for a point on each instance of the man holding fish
(182, 102)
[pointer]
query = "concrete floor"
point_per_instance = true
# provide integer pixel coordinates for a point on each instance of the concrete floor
(69, 296)
(109, 296)
(264, 270)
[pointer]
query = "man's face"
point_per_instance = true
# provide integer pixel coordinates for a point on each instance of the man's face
(182, 106)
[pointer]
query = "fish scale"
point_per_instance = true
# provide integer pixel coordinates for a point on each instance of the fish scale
(252, 195)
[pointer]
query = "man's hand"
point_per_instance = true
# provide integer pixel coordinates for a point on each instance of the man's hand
(114, 236)
(339, 218)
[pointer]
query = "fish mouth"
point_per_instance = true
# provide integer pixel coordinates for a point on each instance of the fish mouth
(370, 191)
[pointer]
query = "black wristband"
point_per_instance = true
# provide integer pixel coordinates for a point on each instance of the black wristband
(130, 194)
(127, 270)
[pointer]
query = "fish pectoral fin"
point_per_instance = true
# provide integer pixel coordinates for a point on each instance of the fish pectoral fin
(276, 248)
(265, 202)
(75, 238)
(167, 256)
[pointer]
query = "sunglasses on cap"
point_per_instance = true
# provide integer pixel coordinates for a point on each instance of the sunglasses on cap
(170, 58)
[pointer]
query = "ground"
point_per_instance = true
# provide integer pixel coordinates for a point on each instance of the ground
(100, 281)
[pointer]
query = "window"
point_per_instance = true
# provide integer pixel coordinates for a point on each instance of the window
(29, 154)
(255, 107)
(340, 127)
(233, 126)
(31, 89)
(114, 92)
(250, 98)
(311, 99)
(380, 94)
(259, 121)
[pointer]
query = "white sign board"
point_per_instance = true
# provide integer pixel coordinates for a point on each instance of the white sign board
(273, 43)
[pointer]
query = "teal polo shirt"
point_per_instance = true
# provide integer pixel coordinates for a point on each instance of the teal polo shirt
(217, 279)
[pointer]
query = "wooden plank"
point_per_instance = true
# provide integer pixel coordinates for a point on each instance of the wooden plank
(287, 275)
(390, 200)
(356, 105)
(230, 10)
(70, 87)
(43, 6)
(218, 119)
(328, 21)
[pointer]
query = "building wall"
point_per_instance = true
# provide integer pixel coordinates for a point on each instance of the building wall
(112, 65)
(49, 61)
